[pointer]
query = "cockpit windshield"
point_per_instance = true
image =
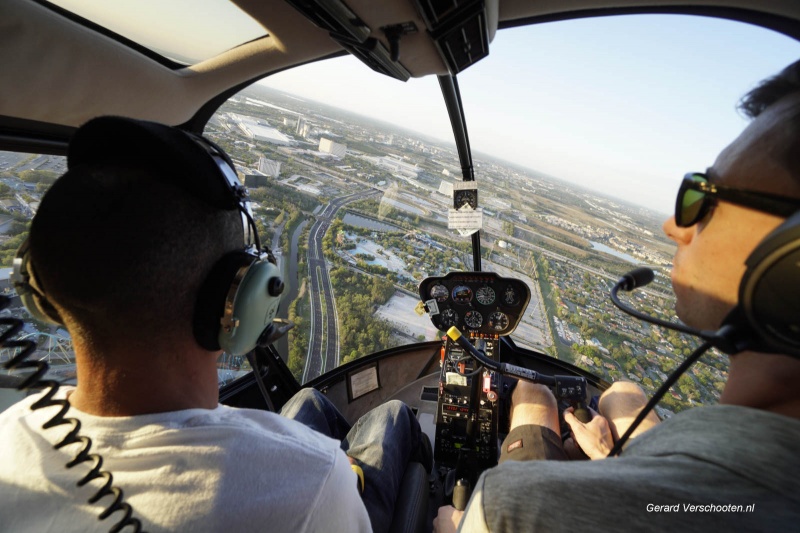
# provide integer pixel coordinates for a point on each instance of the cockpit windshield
(580, 133)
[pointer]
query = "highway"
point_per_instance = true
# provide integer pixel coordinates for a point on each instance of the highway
(323, 351)
(323, 346)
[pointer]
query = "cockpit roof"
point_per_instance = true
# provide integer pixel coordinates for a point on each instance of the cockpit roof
(59, 70)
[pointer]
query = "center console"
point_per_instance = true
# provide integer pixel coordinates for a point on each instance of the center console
(485, 307)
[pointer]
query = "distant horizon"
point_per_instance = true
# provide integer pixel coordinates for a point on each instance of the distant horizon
(623, 105)
(451, 144)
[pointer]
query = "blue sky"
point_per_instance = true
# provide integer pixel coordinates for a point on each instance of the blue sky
(624, 105)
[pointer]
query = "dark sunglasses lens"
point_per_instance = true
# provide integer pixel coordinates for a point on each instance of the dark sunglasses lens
(691, 204)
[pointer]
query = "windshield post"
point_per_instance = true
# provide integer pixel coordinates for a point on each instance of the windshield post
(452, 99)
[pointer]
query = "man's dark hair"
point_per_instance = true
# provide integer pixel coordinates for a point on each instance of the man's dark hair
(771, 90)
(766, 94)
(121, 252)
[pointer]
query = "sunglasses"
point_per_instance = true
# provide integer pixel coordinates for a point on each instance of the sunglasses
(697, 196)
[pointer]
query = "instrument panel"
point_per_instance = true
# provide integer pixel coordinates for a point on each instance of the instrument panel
(478, 302)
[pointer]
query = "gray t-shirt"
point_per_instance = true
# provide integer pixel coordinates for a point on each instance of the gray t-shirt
(738, 467)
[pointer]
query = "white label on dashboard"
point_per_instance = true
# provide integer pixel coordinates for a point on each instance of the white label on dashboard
(364, 381)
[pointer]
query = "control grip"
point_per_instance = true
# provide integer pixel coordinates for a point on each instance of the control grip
(461, 493)
(505, 391)
(582, 413)
(506, 388)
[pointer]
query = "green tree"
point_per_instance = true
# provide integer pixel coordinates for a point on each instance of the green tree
(38, 176)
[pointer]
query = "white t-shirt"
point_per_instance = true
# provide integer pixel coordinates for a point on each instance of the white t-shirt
(221, 470)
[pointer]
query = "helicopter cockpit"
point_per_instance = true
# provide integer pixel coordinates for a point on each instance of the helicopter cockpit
(422, 261)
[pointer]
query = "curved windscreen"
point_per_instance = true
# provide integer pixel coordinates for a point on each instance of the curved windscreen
(580, 134)
(580, 131)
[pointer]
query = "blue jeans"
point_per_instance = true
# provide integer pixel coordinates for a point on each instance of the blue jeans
(382, 441)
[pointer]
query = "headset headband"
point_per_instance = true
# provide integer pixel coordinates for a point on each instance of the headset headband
(179, 155)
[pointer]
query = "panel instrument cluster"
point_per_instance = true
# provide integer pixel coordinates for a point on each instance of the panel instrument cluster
(475, 302)
(484, 306)
(468, 410)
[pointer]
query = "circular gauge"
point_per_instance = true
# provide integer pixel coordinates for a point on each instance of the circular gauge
(510, 296)
(485, 295)
(462, 294)
(439, 292)
(498, 321)
(473, 319)
(449, 318)
(466, 197)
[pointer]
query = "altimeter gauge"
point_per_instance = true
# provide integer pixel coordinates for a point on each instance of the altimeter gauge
(498, 321)
(473, 319)
(440, 293)
(449, 318)
(485, 295)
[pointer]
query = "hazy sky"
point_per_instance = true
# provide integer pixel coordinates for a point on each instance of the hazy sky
(625, 105)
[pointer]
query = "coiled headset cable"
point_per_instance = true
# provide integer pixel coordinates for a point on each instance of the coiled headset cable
(12, 326)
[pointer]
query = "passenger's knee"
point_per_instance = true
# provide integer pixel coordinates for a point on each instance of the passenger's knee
(398, 409)
(308, 393)
(301, 399)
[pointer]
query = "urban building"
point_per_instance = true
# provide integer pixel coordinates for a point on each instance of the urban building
(329, 147)
(396, 165)
(259, 130)
(269, 167)
(303, 129)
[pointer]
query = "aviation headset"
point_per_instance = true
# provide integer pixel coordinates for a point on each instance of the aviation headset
(238, 300)
(769, 293)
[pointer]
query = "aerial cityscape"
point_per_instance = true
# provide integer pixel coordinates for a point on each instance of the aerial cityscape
(356, 211)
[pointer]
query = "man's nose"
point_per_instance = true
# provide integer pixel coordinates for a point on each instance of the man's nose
(676, 233)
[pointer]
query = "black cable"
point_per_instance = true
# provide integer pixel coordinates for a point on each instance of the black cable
(463, 358)
(706, 335)
(251, 356)
(475, 372)
(35, 381)
(726, 339)
(670, 381)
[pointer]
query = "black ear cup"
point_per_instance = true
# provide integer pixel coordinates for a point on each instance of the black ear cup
(210, 306)
(28, 289)
(769, 293)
